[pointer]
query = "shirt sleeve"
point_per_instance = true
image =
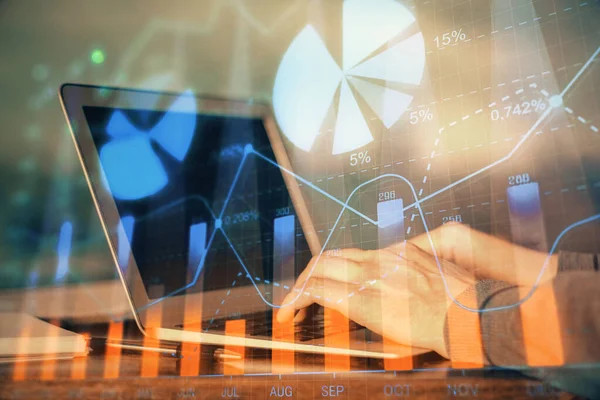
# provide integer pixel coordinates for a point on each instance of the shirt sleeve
(576, 297)
(569, 261)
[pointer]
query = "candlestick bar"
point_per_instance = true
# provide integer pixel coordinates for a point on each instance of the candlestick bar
(284, 240)
(526, 217)
(234, 328)
(390, 230)
(112, 355)
(192, 319)
(528, 229)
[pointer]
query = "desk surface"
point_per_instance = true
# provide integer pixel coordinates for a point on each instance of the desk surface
(84, 378)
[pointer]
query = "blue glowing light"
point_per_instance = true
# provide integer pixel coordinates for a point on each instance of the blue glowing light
(64, 251)
(197, 247)
(132, 169)
(125, 237)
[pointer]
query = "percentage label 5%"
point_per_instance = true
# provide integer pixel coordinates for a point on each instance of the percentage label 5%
(424, 115)
(452, 37)
(523, 108)
(361, 158)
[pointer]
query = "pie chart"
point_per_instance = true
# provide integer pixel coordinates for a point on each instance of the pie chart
(131, 168)
(309, 77)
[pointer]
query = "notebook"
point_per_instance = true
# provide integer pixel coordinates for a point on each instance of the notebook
(24, 336)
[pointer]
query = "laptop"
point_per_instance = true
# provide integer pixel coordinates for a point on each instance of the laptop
(203, 214)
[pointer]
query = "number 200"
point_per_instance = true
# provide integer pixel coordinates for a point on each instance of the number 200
(520, 179)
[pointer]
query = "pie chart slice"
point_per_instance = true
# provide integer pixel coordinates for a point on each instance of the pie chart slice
(306, 82)
(403, 63)
(368, 24)
(131, 168)
(351, 129)
(388, 104)
(308, 76)
(175, 131)
(119, 126)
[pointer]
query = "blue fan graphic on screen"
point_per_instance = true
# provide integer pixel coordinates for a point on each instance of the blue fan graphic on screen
(131, 167)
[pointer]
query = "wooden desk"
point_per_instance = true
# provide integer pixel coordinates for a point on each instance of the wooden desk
(354, 385)
(86, 378)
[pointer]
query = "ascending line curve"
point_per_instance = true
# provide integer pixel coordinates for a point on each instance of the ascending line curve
(519, 144)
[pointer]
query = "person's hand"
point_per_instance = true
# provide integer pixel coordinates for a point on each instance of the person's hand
(401, 284)
(486, 256)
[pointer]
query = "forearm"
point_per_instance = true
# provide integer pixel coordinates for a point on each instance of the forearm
(577, 306)
(501, 339)
(556, 326)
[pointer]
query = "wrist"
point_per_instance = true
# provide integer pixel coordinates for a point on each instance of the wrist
(462, 333)
(552, 267)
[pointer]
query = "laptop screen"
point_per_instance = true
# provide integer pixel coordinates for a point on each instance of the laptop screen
(200, 198)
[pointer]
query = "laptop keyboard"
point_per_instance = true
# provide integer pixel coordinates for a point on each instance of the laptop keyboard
(312, 327)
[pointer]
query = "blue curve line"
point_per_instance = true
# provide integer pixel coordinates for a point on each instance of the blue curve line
(544, 266)
(376, 223)
(234, 183)
(519, 144)
(487, 167)
(580, 72)
(212, 235)
(417, 203)
(316, 188)
(176, 203)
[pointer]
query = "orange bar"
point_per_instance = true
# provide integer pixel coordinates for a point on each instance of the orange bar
(79, 364)
(150, 359)
(543, 330)
(465, 328)
(397, 364)
(235, 328)
(469, 329)
(192, 322)
(337, 334)
(20, 366)
(282, 361)
(404, 363)
(49, 365)
(112, 359)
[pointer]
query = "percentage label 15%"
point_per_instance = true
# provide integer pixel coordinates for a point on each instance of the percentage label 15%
(450, 38)
(361, 158)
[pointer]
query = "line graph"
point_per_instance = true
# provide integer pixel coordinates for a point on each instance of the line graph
(556, 102)
(537, 123)
(218, 228)
(249, 150)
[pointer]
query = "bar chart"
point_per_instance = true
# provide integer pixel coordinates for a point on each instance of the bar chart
(283, 270)
(390, 231)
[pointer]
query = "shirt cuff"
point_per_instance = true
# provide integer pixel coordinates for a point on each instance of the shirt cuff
(570, 261)
(462, 330)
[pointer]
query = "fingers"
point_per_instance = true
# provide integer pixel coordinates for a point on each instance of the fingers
(334, 268)
(345, 267)
(484, 255)
(324, 292)
(301, 315)
(466, 247)
(356, 255)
